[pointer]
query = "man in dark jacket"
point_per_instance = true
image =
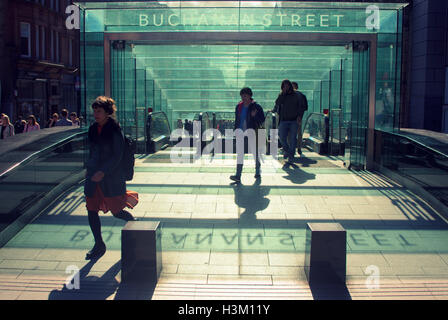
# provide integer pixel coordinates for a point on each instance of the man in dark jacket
(290, 107)
(248, 115)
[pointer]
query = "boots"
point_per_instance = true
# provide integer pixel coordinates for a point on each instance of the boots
(99, 248)
(125, 215)
(237, 176)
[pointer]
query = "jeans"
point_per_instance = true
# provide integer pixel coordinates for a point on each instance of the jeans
(251, 148)
(287, 131)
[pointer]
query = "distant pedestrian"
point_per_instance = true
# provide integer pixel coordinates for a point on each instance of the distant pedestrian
(53, 120)
(19, 125)
(7, 128)
(105, 184)
(64, 121)
(74, 119)
(32, 124)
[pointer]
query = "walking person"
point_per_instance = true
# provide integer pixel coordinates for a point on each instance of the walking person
(31, 124)
(248, 115)
(19, 125)
(74, 118)
(7, 129)
(290, 109)
(53, 120)
(105, 184)
(304, 104)
(64, 121)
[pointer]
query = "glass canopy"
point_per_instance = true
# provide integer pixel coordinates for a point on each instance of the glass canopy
(205, 72)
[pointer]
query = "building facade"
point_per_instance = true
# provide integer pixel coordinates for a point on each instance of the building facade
(40, 59)
(427, 90)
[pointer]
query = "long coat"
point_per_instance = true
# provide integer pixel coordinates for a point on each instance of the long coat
(106, 150)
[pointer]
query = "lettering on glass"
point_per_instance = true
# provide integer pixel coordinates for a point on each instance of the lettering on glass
(373, 20)
(292, 20)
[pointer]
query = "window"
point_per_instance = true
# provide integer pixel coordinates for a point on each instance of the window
(70, 52)
(25, 39)
(37, 42)
(57, 46)
(43, 47)
(52, 45)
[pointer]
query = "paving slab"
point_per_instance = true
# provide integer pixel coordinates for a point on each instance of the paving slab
(227, 239)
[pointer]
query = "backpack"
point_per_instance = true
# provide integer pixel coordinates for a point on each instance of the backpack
(128, 160)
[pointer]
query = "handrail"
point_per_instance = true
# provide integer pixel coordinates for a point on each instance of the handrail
(415, 141)
(308, 117)
(153, 144)
(36, 154)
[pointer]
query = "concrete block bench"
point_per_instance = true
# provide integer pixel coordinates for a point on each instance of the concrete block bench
(325, 254)
(141, 252)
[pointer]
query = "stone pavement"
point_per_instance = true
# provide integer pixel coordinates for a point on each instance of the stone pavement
(227, 241)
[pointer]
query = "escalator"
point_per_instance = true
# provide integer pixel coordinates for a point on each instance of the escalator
(36, 173)
(417, 159)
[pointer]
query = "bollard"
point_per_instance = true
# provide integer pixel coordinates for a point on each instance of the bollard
(141, 254)
(325, 254)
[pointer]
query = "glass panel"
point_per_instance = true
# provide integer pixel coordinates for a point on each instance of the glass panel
(291, 16)
(123, 4)
(360, 105)
(192, 79)
(124, 87)
(388, 79)
(225, 120)
(420, 158)
(200, 78)
(93, 75)
(159, 131)
(315, 131)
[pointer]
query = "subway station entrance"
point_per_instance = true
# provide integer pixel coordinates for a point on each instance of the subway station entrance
(188, 60)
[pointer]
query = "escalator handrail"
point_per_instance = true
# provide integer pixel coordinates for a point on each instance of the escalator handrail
(443, 155)
(309, 116)
(39, 153)
(151, 118)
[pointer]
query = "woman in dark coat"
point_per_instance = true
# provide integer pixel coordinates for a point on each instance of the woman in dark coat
(105, 185)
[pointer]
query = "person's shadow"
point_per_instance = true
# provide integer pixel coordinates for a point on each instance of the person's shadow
(85, 287)
(295, 175)
(252, 198)
(304, 161)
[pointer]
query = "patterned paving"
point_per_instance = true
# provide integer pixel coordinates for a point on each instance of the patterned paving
(227, 241)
